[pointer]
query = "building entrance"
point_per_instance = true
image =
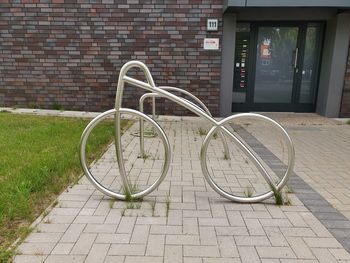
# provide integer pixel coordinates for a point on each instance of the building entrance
(276, 66)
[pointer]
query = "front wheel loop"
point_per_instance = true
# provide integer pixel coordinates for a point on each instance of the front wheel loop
(220, 126)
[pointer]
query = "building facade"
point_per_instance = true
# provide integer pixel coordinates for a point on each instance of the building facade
(235, 55)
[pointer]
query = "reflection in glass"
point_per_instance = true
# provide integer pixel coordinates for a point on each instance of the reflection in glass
(275, 64)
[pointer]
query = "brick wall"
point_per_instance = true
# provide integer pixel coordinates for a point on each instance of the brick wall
(345, 105)
(62, 53)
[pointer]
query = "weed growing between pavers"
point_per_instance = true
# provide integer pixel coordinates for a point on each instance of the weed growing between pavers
(289, 189)
(281, 196)
(111, 203)
(128, 193)
(153, 206)
(248, 191)
(167, 204)
(202, 132)
(226, 157)
(39, 158)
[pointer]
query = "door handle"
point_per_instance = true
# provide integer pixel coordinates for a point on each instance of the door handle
(296, 58)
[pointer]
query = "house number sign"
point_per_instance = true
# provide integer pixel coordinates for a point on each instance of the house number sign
(212, 25)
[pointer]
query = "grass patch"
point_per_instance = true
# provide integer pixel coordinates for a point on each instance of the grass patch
(348, 122)
(39, 158)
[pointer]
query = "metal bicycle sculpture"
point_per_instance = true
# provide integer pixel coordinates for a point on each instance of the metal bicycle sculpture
(202, 111)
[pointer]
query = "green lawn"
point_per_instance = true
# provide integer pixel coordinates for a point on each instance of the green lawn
(38, 159)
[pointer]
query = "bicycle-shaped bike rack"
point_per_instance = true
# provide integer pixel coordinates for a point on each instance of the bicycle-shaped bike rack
(202, 111)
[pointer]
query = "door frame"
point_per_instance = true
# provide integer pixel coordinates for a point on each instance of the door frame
(294, 106)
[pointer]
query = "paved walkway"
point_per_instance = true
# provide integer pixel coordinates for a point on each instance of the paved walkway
(184, 220)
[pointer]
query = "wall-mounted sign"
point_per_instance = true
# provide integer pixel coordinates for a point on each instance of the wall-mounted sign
(212, 25)
(211, 44)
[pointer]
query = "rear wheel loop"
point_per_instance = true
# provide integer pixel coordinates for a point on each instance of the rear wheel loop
(91, 177)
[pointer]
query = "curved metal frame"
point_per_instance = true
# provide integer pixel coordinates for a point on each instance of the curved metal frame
(196, 99)
(218, 126)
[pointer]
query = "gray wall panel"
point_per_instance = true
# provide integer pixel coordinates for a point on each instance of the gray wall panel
(333, 66)
(326, 66)
(228, 49)
(296, 3)
(288, 3)
(285, 14)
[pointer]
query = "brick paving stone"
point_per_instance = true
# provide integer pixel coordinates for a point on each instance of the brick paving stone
(254, 227)
(300, 248)
(44, 237)
(62, 249)
(248, 254)
(295, 260)
(207, 235)
(213, 222)
(97, 253)
(89, 219)
(192, 260)
(321, 242)
(83, 244)
(127, 249)
(276, 237)
(100, 228)
(114, 259)
(143, 259)
(252, 241)
(220, 260)
(275, 252)
(323, 255)
(190, 226)
(339, 253)
(73, 233)
(175, 218)
(155, 245)
(227, 247)
(201, 251)
(65, 259)
(126, 225)
(140, 234)
(52, 228)
(173, 254)
(29, 259)
(113, 238)
(182, 240)
(169, 230)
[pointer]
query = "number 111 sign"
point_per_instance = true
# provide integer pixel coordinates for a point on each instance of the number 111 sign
(212, 25)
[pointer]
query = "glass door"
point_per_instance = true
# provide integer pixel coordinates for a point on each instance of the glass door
(280, 66)
(275, 63)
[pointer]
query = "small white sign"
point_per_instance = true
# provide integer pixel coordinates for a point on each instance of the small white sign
(211, 44)
(212, 25)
